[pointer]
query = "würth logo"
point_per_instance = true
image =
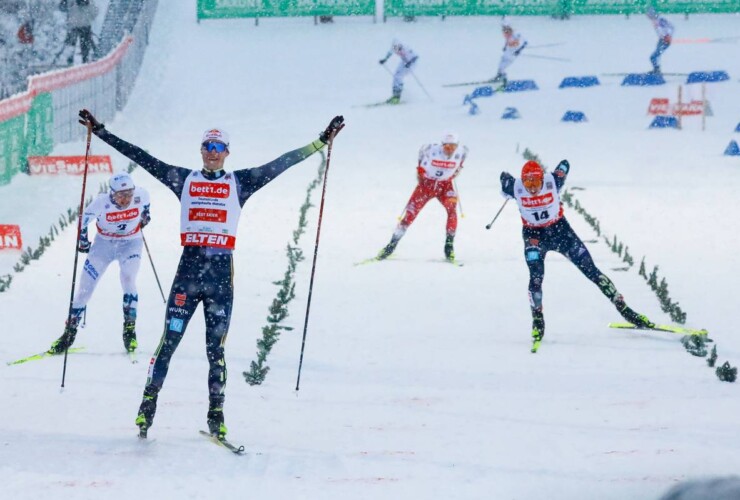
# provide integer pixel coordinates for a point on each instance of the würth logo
(537, 201)
(207, 214)
(129, 214)
(180, 299)
(210, 189)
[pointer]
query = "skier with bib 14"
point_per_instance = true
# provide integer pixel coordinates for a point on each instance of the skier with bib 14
(545, 228)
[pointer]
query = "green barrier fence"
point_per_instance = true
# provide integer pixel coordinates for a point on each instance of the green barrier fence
(39, 126)
(214, 9)
(556, 8)
(218, 9)
(12, 147)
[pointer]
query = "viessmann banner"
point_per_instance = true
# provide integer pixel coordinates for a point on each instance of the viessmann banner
(72, 165)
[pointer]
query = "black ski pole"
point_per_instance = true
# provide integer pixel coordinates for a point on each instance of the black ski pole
(488, 226)
(315, 254)
(77, 239)
(153, 268)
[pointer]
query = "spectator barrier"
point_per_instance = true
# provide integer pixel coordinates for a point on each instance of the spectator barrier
(32, 122)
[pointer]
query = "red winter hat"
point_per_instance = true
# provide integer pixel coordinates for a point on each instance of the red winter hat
(532, 170)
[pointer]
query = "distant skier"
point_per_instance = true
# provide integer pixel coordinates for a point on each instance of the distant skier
(408, 61)
(439, 165)
(513, 46)
(545, 228)
(211, 202)
(120, 216)
(664, 30)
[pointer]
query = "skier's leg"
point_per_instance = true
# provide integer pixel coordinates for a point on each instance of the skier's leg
(419, 198)
(506, 59)
(573, 248)
(183, 299)
(217, 307)
(534, 255)
(398, 76)
(102, 253)
(129, 258)
(448, 198)
(655, 56)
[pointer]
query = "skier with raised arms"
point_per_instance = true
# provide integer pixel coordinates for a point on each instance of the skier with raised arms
(211, 201)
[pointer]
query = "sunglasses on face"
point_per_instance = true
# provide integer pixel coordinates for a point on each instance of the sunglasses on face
(216, 146)
(532, 183)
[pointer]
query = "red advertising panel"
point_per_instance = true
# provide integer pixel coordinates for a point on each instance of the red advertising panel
(10, 237)
(74, 165)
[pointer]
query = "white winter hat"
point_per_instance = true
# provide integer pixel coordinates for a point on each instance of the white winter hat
(216, 134)
(121, 182)
(450, 138)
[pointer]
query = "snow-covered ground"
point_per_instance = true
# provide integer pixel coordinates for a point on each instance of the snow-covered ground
(417, 379)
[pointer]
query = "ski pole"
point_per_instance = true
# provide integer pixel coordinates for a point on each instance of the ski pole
(563, 59)
(153, 268)
(545, 45)
(420, 85)
(77, 239)
(488, 226)
(315, 254)
(459, 201)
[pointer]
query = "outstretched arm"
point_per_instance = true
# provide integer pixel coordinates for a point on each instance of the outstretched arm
(252, 179)
(169, 175)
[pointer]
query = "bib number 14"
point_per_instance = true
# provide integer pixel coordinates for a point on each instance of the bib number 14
(540, 216)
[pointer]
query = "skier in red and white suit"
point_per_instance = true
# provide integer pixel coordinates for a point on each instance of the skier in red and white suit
(439, 165)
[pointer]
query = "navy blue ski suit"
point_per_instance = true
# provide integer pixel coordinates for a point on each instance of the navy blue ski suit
(205, 274)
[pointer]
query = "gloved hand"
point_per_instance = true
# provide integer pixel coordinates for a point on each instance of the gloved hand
(87, 119)
(562, 169)
(382, 61)
(507, 182)
(146, 218)
(83, 245)
(517, 51)
(337, 124)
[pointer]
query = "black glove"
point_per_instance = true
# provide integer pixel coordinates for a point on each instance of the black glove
(516, 52)
(87, 119)
(146, 218)
(507, 182)
(562, 169)
(83, 245)
(337, 124)
(382, 61)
